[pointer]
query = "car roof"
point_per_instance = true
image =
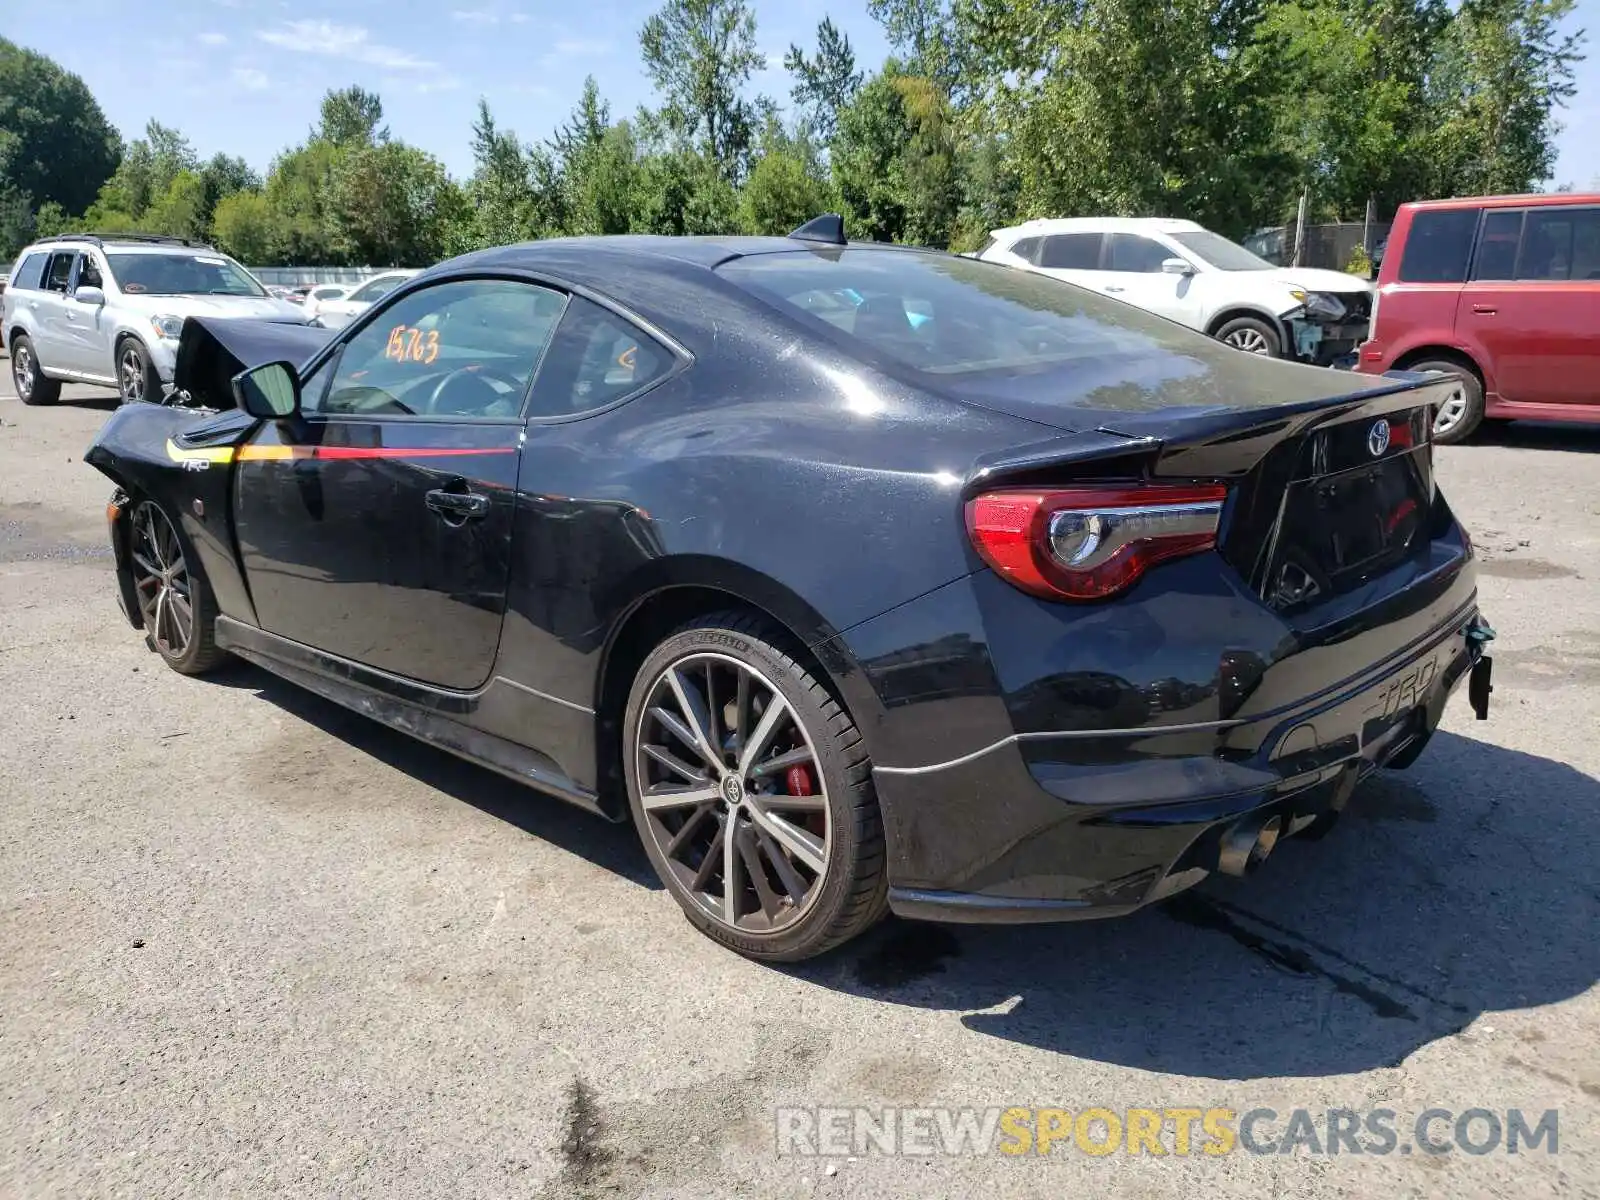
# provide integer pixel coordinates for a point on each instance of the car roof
(1525, 200)
(1048, 225)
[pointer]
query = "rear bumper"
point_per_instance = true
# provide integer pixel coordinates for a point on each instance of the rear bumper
(1052, 827)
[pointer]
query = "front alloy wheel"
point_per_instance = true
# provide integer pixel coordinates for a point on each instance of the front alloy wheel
(174, 602)
(750, 789)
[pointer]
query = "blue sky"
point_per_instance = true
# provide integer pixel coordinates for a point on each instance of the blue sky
(246, 76)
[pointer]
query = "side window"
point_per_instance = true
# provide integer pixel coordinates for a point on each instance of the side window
(1130, 252)
(1497, 245)
(30, 274)
(1071, 251)
(462, 349)
(1027, 249)
(367, 293)
(596, 358)
(89, 273)
(1560, 243)
(1438, 245)
(59, 271)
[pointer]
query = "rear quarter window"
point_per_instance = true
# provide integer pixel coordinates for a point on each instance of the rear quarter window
(1438, 245)
(28, 272)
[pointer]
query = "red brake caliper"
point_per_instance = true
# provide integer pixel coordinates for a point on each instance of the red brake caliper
(797, 782)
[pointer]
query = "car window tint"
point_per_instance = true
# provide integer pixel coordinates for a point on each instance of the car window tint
(596, 359)
(1027, 248)
(1553, 241)
(89, 273)
(945, 316)
(988, 245)
(59, 270)
(1130, 252)
(1071, 252)
(463, 349)
(1496, 257)
(1438, 245)
(30, 274)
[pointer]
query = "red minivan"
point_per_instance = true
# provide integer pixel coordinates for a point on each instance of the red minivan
(1503, 292)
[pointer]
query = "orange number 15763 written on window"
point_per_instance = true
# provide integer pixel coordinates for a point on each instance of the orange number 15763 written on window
(412, 345)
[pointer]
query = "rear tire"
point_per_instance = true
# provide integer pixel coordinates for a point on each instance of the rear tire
(1461, 412)
(31, 385)
(808, 856)
(1251, 335)
(175, 603)
(137, 380)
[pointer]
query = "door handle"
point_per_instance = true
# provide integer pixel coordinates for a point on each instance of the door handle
(1111, 288)
(1487, 310)
(457, 506)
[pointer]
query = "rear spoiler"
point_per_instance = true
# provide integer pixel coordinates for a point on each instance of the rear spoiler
(1196, 443)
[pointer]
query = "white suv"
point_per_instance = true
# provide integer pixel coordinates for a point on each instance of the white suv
(1186, 273)
(108, 309)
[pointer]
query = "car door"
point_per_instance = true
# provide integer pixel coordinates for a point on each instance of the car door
(377, 527)
(1072, 257)
(52, 343)
(1133, 274)
(1532, 304)
(86, 330)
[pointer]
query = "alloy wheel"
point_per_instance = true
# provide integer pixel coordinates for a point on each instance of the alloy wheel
(733, 792)
(1451, 410)
(1251, 341)
(161, 579)
(130, 372)
(22, 371)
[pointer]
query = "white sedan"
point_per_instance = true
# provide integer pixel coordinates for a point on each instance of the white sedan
(320, 295)
(337, 313)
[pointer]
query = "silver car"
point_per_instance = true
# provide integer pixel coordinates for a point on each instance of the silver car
(108, 309)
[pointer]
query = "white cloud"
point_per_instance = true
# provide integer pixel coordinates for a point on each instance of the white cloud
(350, 42)
(475, 16)
(518, 18)
(577, 47)
(251, 79)
(214, 39)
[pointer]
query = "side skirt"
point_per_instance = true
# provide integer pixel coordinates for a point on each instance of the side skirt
(336, 679)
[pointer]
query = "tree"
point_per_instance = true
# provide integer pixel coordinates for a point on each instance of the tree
(825, 83)
(243, 227)
(894, 159)
(55, 142)
(1501, 69)
(352, 116)
(180, 209)
(297, 195)
(144, 176)
(700, 54)
(391, 205)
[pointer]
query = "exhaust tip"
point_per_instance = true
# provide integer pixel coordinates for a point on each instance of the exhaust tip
(1246, 844)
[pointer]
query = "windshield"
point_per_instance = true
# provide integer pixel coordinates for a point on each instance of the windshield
(378, 288)
(1220, 252)
(181, 275)
(949, 316)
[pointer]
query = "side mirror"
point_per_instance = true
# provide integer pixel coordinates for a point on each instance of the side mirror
(270, 392)
(1176, 266)
(90, 295)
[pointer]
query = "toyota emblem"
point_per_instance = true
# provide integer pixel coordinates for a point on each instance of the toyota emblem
(1378, 438)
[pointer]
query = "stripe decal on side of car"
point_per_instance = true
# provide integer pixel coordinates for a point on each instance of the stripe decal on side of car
(259, 453)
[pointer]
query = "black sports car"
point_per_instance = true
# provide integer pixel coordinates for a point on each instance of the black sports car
(863, 577)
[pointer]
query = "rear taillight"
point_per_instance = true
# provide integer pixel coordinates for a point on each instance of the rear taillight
(1088, 543)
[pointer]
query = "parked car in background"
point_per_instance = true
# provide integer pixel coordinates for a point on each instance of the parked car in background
(339, 312)
(315, 297)
(1186, 273)
(108, 309)
(1502, 293)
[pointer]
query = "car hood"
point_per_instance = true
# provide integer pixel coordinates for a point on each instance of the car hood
(256, 308)
(212, 350)
(1313, 279)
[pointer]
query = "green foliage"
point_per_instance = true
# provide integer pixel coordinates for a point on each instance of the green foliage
(991, 111)
(700, 54)
(56, 145)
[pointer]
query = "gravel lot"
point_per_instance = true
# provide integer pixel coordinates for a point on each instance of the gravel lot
(255, 945)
